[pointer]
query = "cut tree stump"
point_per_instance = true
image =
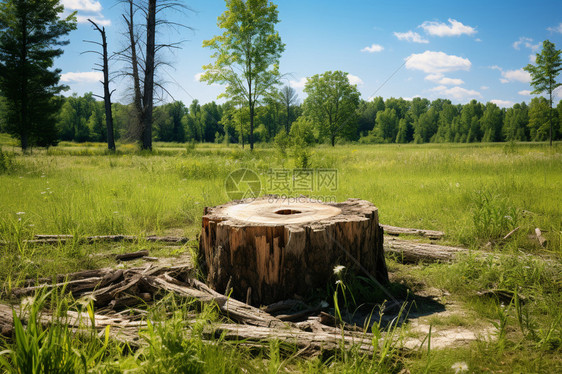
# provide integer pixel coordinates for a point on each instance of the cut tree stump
(284, 248)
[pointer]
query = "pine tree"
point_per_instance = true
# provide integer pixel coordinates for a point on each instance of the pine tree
(30, 32)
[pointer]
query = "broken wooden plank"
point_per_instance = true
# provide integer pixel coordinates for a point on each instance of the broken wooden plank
(431, 234)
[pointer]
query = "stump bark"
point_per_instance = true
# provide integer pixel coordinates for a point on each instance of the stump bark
(271, 249)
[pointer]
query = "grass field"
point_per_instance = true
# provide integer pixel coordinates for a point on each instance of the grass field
(476, 194)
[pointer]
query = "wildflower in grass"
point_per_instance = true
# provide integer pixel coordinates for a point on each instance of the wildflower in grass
(459, 367)
(84, 301)
(339, 282)
(20, 213)
(338, 269)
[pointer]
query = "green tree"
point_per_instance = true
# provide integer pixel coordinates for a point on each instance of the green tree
(543, 75)
(491, 123)
(332, 103)
(386, 128)
(539, 118)
(246, 54)
(302, 131)
(404, 131)
(425, 126)
(367, 114)
(515, 125)
(30, 32)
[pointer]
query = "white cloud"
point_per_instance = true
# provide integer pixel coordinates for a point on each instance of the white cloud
(437, 62)
(457, 93)
(298, 84)
(527, 43)
(532, 58)
(455, 28)
(353, 79)
(411, 36)
(524, 93)
(441, 79)
(557, 29)
(82, 77)
(478, 40)
(84, 5)
(373, 48)
(99, 20)
(451, 81)
(197, 77)
(518, 75)
(503, 103)
(484, 87)
(90, 7)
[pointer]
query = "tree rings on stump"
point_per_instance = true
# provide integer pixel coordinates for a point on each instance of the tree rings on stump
(282, 248)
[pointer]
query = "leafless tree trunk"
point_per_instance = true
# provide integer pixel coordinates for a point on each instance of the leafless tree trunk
(143, 61)
(288, 98)
(132, 59)
(106, 92)
(148, 94)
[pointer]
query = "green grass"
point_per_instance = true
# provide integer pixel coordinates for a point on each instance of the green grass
(476, 194)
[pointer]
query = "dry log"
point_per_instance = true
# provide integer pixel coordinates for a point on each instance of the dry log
(131, 255)
(57, 239)
(232, 308)
(431, 234)
(281, 248)
(319, 340)
(6, 320)
(409, 251)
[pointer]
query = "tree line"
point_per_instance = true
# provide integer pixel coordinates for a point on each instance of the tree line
(394, 120)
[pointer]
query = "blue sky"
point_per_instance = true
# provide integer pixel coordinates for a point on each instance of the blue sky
(459, 50)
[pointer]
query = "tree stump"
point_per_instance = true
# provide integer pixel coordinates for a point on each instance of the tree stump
(270, 249)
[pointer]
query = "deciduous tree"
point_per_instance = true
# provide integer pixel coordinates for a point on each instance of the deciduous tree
(246, 55)
(332, 103)
(544, 74)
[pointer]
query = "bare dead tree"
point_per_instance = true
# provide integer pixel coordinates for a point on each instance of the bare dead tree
(106, 92)
(141, 56)
(288, 98)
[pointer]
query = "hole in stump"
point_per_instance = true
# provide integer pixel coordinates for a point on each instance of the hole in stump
(287, 211)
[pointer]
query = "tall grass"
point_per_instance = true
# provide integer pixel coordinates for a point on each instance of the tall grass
(56, 348)
(468, 192)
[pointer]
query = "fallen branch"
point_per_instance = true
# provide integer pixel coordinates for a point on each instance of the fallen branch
(409, 251)
(393, 230)
(131, 255)
(58, 239)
